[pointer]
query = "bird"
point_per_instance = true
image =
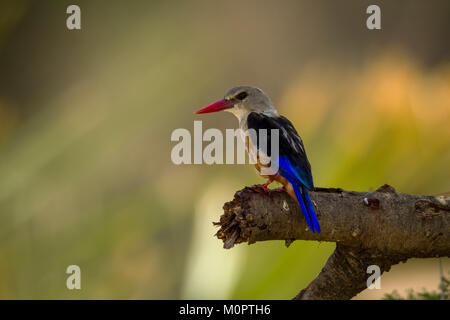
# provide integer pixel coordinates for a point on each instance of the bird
(255, 110)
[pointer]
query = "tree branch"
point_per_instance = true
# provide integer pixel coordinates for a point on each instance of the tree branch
(370, 228)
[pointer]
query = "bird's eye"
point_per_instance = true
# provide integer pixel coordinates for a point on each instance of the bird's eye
(242, 95)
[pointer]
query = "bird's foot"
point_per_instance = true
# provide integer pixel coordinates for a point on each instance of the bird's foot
(265, 185)
(279, 189)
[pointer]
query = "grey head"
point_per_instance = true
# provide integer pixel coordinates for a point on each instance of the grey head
(248, 99)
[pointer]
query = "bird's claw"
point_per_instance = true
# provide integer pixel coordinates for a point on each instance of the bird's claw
(265, 185)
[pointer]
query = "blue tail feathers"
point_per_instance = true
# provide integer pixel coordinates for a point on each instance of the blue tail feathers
(305, 204)
(288, 171)
(311, 210)
(300, 201)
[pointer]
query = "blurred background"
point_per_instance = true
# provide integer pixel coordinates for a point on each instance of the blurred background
(86, 117)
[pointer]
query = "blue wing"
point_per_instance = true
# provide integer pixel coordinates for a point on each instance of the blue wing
(292, 161)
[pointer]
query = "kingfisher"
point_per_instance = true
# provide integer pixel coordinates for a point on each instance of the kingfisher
(255, 110)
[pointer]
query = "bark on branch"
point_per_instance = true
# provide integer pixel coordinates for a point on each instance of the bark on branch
(370, 228)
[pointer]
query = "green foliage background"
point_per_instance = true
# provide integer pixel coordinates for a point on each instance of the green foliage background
(441, 294)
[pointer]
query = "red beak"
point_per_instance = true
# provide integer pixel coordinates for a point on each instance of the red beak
(217, 106)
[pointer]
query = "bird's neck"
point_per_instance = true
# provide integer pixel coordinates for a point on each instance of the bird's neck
(242, 115)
